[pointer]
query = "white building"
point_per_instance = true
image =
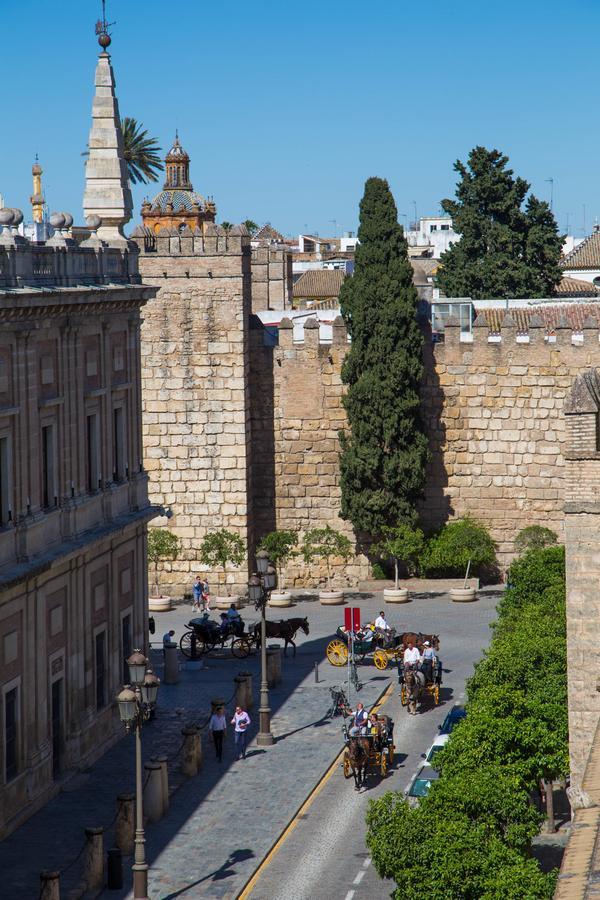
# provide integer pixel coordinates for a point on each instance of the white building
(432, 237)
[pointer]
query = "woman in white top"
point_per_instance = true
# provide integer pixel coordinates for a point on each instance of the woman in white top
(241, 722)
(218, 727)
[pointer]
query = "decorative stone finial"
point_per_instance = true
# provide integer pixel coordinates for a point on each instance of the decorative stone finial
(102, 32)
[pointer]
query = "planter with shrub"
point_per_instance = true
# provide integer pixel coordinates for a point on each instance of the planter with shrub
(462, 546)
(163, 545)
(221, 549)
(403, 544)
(281, 547)
(327, 544)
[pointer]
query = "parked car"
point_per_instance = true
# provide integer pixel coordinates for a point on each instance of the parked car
(455, 715)
(420, 784)
(440, 742)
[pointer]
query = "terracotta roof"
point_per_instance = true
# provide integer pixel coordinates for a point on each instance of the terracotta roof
(574, 314)
(318, 283)
(575, 287)
(585, 255)
(267, 233)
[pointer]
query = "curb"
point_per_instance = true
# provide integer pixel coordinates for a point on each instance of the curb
(291, 824)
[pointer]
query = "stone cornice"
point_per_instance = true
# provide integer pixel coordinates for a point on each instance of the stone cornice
(24, 304)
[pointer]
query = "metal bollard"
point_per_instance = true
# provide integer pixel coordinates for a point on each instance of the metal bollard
(50, 885)
(164, 778)
(114, 869)
(125, 824)
(171, 673)
(93, 869)
(316, 673)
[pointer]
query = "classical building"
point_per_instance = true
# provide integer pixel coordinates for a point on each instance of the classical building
(177, 205)
(73, 490)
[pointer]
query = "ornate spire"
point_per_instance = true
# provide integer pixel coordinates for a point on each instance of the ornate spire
(177, 167)
(107, 192)
(37, 198)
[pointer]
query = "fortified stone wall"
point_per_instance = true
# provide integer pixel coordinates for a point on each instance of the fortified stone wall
(271, 279)
(195, 390)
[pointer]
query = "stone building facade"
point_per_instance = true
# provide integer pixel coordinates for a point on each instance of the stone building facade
(73, 490)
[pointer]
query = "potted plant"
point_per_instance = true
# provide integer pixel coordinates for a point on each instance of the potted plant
(462, 546)
(326, 543)
(220, 549)
(162, 545)
(280, 545)
(404, 543)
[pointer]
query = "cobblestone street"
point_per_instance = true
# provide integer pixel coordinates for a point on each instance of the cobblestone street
(222, 823)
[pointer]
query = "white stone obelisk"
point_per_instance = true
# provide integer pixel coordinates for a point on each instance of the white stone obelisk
(107, 192)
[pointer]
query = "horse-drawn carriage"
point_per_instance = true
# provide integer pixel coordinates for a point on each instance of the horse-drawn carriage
(386, 647)
(415, 682)
(337, 649)
(205, 635)
(374, 748)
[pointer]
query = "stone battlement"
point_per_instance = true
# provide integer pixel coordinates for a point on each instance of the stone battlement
(510, 337)
(62, 262)
(312, 335)
(184, 242)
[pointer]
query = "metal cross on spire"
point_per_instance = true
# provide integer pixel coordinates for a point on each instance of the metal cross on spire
(102, 27)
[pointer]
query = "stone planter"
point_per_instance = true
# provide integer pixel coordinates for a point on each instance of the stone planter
(225, 602)
(280, 598)
(463, 595)
(391, 595)
(159, 604)
(331, 598)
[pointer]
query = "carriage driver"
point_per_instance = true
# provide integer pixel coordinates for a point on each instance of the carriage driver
(360, 720)
(429, 661)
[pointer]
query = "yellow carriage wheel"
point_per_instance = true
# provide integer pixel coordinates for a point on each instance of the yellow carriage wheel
(391, 751)
(380, 659)
(436, 694)
(383, 765)
(403, 695)
(337, 653)
(347, 769)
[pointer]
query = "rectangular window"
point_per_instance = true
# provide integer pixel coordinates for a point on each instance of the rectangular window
(444, 228)
(92, 463)
(101, 670)
(126, 646)
(49, 489)
(11, 734)
(119, 454)
(5, 483)
(433, 227)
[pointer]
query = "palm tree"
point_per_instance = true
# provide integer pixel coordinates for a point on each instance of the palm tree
(141, 152)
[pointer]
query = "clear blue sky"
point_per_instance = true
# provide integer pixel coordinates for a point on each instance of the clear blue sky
(286, 108)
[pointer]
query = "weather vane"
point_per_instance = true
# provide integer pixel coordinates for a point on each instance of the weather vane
(102, 27)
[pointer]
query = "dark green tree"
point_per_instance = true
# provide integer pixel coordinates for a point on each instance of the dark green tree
(384, 449)
(141, 152)
(505, 250)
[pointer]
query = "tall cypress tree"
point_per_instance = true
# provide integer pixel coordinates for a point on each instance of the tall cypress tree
(504, 250)
(384, 450)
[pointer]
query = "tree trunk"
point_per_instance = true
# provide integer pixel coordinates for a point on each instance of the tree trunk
(328, 573)
(156, 579)
(549, 826)
(395, 574)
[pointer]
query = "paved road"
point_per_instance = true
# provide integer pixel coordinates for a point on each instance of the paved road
(325, 855)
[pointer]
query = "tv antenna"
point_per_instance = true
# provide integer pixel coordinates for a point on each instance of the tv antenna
(550, 181)
(102, 27)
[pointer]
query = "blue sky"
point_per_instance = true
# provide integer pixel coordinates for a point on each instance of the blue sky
(286, 108)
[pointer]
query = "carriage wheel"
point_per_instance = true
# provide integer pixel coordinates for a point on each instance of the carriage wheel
(240, 648)
(383, 765)
(185, 645)
(391, 751)
(337, 653)
(403, 695)
(347, 769)
(380, 659)
(436, 694)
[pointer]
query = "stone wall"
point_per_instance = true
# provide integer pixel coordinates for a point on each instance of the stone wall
(271, 279)
(195, 388)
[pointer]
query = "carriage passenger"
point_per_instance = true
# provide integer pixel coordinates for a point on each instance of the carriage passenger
(232, 614)
(412, 657)
(224, 624)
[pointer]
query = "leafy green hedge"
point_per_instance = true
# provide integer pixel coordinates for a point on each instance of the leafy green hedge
(471, 835)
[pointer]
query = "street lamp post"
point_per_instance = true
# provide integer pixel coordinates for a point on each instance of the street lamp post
(259, 588)
(135, 707)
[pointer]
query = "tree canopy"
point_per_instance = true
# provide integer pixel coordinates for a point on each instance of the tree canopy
(141, 152)
(510, 245)
(384, 448)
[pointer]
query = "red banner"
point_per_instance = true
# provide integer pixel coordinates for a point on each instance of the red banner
(355, 618)
(348, 618)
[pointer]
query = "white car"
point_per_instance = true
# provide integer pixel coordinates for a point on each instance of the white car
(420, 784)
(440, 742)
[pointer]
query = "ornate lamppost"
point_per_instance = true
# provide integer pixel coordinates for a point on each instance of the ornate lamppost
(136, 703)
(259, 588)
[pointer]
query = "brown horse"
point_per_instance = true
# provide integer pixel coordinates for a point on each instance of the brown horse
(418, 639)
(357, 757)
(285, 629)
(415, 683)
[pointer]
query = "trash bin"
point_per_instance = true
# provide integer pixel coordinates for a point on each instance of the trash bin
(114, 877)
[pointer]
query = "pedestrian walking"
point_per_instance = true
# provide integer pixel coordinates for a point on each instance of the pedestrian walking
(217, 728)
(197, 593)
(241, 723)
(205, 597)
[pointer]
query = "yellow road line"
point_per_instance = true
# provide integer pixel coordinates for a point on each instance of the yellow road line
(251, 884)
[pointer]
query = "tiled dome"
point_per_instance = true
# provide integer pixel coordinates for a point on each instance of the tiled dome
(179, 199)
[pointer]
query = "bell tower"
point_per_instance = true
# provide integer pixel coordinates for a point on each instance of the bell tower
(177, 165)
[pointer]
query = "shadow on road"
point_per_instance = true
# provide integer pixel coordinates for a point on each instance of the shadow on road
(227, 870)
